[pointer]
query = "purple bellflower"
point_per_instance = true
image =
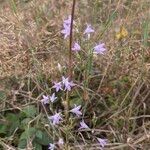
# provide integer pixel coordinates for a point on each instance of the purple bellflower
(67, 84)
(66, 31)
(76, 110)
(102, 142)
(51, 146)
(88, 30)
(99, 49)
(53, 98)
(57, 86)
(55, 118)
(76, 47)
(68, 21)
(83, 125)
(45, 100)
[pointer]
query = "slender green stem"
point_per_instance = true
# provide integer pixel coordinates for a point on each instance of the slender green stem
(88, 72)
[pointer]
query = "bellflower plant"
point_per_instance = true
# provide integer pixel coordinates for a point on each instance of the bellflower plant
(45, 100)
(55, 118)
(68, 21)
(53, 98)
(99, 49)
(76, 47)
(88, 30)
(67, 84)
(66, 31)
(76, 110)
(102, 142)
(51, 146)
(57, 86)
(83, 125)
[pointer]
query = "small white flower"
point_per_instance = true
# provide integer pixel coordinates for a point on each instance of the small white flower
(53, 98)
(61, 141)
(51, 146)
(59, 67)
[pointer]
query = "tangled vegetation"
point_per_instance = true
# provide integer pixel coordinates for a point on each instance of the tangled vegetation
(74, 74)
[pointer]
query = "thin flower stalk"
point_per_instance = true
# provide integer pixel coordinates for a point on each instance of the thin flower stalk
(70, 57)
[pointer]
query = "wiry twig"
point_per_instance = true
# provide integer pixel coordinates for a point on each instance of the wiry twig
(8, 147)
(70, 55)
(71, 39)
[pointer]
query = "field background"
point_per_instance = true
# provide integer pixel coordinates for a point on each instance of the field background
(31, 46)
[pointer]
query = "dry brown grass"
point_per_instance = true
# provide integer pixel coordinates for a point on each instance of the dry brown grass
(31, 31)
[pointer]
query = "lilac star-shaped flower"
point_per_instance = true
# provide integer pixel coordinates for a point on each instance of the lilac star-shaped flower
(66, 31)
(99, 49)
(67, 84)
(83, 125)
(68, 21)
(55, 118)
(88, 29)
(53, 98)
(76, 110)
(45, 100)
(57, 86)
(102, 142)
(51, 146)
(76, 47)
